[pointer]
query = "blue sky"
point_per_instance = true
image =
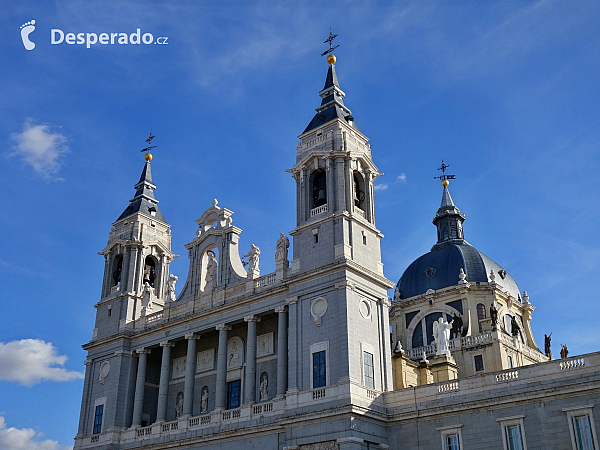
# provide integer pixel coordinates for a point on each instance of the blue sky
(506, 92)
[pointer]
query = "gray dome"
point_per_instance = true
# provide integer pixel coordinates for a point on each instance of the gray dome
(440, 267)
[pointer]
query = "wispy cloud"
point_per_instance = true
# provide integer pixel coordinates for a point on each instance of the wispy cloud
(380, 187)
(40, 148)
(25, 439)
(402, 178)
(29, 361)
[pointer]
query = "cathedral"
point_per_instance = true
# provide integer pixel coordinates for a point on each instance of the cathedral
(316, 356)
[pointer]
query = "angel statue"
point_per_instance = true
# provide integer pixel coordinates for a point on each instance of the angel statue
(441, 334)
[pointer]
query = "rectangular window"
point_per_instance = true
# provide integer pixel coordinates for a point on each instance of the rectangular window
(233, 394)
(369, 370)
(513, 437)
(452, 442)
(581, 426)
(513, 434)
(319, 369)
(583, 433)
(511, 363)
(98, 419)
(478, 359)
(451, 437)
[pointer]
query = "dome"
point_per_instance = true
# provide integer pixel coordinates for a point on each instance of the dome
(440, 267)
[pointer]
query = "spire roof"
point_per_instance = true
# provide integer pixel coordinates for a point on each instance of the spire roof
(332, 103)
(143, 200)
(448, 221)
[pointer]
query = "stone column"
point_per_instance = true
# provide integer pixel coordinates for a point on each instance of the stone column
(294, 357)
(250, 382)
(140, 385)
(282, 350)
(221, 387)
(386, 351)
(125, 269)
(107, 277)
(190, 375)
(163, 387)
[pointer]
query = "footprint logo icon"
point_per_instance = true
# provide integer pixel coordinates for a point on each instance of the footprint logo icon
(26, 30)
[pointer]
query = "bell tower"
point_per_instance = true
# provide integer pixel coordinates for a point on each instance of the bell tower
(334, 175)
(137, 258)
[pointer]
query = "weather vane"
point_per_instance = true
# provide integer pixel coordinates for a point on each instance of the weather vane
(148, 155)
(330, 41)
(444, 177)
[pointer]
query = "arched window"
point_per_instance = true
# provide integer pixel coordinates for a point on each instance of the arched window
(117, 270)
(359, 190)
(481, 314)
(149, 270)
(319, 188)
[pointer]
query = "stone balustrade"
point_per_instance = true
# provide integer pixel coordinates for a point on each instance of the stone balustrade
(318, 210)
(573, 363)
(266, 280)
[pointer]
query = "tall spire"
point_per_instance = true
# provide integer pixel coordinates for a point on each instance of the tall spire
(143, 200)
(448, 218)
(332, 103)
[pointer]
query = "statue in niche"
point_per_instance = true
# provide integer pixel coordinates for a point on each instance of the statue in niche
(211, 272)
(204, 400)
(281, 252)
(457, 325)
(147, 296)
(441, 334)
(179, 405)
(494, 316)
(235, 358)
(171, 287)
(148, 274)
(253, 257)
(264, 386)
(564, 352)
(514, 327)
(547, 348)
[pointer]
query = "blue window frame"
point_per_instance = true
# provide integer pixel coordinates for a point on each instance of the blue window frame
(369, 370)
(98, 419)
(583, 433)
(513, 437)
(452, 442)
(319, 369)
(233, 394)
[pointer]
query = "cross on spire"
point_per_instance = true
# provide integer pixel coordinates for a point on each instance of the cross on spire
(444, 177)
(149, 141)
(330, 41)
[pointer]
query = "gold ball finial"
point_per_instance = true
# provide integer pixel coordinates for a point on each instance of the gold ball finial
(148, 156)
(331, 59)
(445, 183)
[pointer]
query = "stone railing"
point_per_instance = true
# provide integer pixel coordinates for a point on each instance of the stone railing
(417, 353)
(475, 340)
(265, 280)
(448, 387)
(95, 439)
(318, 210)
(316, 140)
(171, 426)
(141, 432)
(262, 408)
(231, 414)
(507, 376)
(576, 363)
(318, 394)
(372, 394)
(152, 318)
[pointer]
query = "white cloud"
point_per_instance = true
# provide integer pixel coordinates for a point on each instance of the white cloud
(380, 187)
(40, 148)
(30, 361)
(25, 439)
(401, 177)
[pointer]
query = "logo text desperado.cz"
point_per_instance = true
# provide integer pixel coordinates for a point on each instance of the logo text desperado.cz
(58, 36)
